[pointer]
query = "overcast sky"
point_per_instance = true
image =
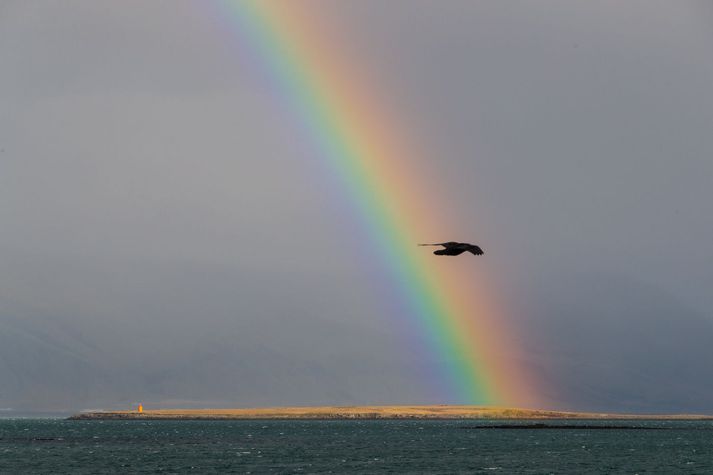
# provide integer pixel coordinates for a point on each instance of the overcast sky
(164, 240)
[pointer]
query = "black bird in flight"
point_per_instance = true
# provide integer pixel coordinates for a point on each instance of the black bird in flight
(456, 248)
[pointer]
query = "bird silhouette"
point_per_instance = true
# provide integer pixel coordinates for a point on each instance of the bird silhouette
(456, 248)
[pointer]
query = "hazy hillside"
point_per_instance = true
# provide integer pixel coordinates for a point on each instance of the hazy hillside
(595, 342)
(605, 341)
(50, 364)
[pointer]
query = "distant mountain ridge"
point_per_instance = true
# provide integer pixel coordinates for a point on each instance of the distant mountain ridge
(617, 346)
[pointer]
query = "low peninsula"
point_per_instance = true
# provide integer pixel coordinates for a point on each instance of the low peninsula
(370, 412)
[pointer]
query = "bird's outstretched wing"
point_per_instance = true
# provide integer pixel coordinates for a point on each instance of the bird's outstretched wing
(437, 244)
(476, 250)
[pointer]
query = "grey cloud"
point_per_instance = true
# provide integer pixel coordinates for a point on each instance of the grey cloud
(169, 234)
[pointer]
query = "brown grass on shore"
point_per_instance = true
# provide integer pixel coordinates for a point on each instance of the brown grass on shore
(371, 412)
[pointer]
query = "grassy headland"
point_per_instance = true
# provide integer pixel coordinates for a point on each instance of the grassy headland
(371, 412)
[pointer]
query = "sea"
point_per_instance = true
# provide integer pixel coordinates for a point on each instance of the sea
(54, 446)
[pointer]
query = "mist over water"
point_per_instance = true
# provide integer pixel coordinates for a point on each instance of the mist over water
(168, 236)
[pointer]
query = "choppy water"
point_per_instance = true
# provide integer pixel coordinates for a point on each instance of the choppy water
(97, 447)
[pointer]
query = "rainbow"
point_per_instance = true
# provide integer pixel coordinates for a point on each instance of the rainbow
(361, 145)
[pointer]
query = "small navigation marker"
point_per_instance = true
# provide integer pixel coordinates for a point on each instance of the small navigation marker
(141, 408)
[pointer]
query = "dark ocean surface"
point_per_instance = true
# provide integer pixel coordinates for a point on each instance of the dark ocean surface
(368, 447)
